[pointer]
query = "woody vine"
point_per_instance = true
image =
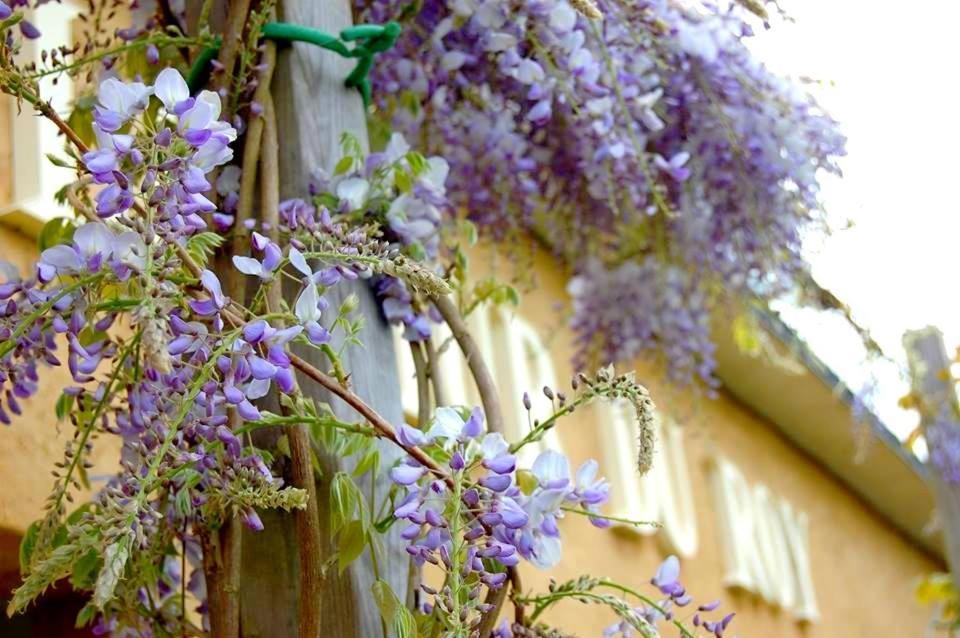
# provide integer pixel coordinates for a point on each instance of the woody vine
(185, 307)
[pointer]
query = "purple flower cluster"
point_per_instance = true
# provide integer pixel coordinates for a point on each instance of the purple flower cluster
(34, 311)
(167, 168)
(667, 580)
(502, 518)
(26, 336)
(652, 133)
(414, 189)
(675, 320)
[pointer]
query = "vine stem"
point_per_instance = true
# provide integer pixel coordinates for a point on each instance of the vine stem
(251, 151)
(433, 371)
(383, 428)
(309, 539)
(48, 112)
(471, 351)
(423, 389)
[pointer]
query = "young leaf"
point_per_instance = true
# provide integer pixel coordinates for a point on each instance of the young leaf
(58, 230)
(27, 545)
(343, 166)
(370, 461)
(350, 543)
(60, 162)
(344, 499)
(86, 616)
(202, 246)
(85, 570)
(63, 406)
(394, 614)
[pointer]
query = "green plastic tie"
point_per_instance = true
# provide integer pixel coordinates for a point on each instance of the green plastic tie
(368, 40)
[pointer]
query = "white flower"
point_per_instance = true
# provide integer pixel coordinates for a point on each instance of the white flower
(528, 71)
(122, 98)
(171, 88)
(353, 190)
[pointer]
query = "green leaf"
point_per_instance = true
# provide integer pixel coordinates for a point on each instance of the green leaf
(343, 166)
(58, 230)
(526, 481)
(418, 163)
(403, 180)
(370, 461)
(81, 119)
(86, 615)
(507, 294)
(63, 406)
(202, 245)
(57, 161)
(350, 543)
(469, 230)
(283, 445)
(85, 570)
(344, 499)
(27, 545)
(394, 614)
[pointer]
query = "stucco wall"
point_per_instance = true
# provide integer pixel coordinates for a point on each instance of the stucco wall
(864, 571)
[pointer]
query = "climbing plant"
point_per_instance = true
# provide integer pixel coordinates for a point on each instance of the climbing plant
(638, 140)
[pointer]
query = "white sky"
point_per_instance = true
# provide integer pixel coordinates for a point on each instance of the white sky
(889, 73)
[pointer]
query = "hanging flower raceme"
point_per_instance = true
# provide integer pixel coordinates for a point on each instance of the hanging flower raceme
(504, 516)
(650, 139)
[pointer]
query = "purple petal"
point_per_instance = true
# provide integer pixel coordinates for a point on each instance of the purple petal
(474, 425)
(503, 464)
(248, 411)
(406, 474)
(261, 368)
(496, 482)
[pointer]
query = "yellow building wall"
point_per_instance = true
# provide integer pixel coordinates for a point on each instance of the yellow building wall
(863, 570)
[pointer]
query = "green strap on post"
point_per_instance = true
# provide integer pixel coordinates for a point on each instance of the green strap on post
(368, 40)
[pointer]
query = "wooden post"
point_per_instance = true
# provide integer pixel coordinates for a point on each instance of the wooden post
(313, 110)
(934, 390)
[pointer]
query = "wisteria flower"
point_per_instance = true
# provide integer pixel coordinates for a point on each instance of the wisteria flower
(310, 304)
(272, 257)
(216, 302)
(93, 245)
(119, 101)
(172, 90)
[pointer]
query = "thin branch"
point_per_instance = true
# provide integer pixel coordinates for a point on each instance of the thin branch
(309, 540)
(433, 369)
(478, 368)
(516, 588)
(238, 13)
(495, 598)
(423, 388)
(251, 152)
(383, 428)
(48, 112)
